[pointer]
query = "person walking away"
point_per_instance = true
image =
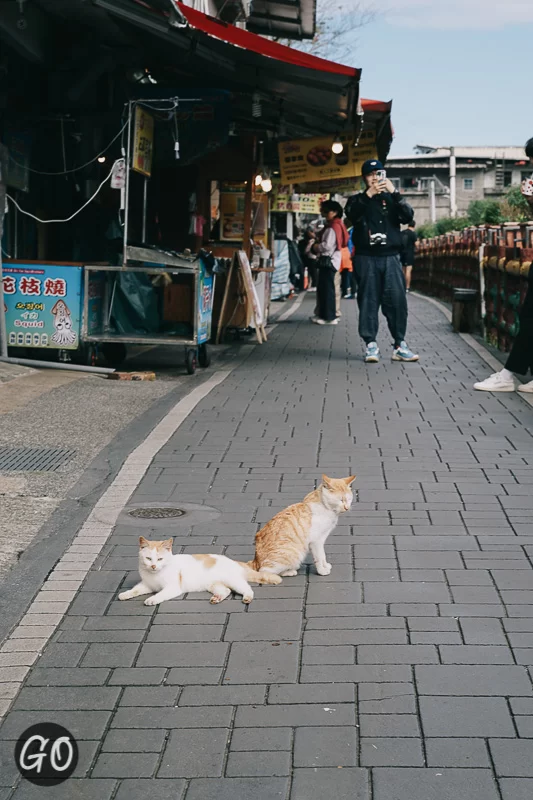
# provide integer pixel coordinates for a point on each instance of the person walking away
(408, 253)
(332, 239)
(377, 214)
(520, 358)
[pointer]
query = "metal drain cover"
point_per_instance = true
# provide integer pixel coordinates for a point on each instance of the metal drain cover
(157, 513)
(34, 459)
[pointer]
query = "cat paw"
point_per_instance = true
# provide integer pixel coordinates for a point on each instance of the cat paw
(216, 598)
(247, 598)
(151, 601)
(324, 569)
(289, 573)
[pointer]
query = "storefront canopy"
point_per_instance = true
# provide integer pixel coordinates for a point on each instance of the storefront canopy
(293, 19)
(299, 92)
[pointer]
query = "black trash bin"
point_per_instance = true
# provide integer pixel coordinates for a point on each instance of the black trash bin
(465, 317)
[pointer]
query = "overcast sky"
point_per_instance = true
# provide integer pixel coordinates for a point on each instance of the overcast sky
(458, 71)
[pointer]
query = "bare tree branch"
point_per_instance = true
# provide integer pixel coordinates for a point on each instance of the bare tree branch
(336, 24)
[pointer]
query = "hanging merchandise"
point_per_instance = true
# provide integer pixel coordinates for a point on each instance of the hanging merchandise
(118, 174)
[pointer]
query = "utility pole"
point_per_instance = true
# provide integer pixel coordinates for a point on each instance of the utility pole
(432, 205)
(3, 174)
(453, 183)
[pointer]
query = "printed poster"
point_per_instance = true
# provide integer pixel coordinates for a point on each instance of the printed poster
(205, 304)
(42, 306)
(308, 160)
(232, 205)
(284, 201)
(143, 142)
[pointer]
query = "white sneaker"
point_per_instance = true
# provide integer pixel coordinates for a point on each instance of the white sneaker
(527, 388)
(314, 319)
(330, 322)
(496, 383)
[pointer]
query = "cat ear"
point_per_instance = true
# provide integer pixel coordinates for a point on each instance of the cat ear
(143, 542)
(327, 482)
(350, 480)
(167, 544)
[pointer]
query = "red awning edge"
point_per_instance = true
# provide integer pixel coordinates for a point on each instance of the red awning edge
(258, 44)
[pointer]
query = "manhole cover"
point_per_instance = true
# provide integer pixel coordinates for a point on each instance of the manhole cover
(34, 459)
(156, 513)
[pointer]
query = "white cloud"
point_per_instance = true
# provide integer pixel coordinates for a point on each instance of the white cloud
(456, 14)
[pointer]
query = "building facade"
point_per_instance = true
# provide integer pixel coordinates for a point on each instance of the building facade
(442, 181)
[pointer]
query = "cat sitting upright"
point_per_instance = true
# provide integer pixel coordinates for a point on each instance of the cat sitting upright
(170, 576)
(283, 543)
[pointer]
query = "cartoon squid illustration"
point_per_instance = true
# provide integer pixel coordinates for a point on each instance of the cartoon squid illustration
(64, 335)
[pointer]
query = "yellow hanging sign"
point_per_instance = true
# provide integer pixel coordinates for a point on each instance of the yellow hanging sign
(143, 142)
(308, 160)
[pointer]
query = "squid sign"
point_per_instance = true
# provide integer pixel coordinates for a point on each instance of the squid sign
(63, 334)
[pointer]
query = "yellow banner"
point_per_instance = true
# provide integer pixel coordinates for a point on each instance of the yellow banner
(143, 142)
(307, 160)
(283, 201)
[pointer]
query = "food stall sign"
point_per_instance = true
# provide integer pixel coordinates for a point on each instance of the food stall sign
(285, 201)
(307, 160)
(143, 142)
(232, 206)
(42, 305)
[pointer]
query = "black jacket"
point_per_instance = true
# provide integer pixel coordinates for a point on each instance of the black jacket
(383, 213)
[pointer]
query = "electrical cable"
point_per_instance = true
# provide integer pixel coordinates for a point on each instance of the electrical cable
(74, 169)
(47, 221)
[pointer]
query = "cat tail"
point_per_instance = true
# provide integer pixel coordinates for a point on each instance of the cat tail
(252, 574)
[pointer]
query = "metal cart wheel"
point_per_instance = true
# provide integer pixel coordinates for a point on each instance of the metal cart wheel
(204, 356)
(191, 362)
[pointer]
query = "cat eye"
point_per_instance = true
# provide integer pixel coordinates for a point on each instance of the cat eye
(160, 559)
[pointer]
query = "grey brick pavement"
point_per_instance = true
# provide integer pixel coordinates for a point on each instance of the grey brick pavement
(405, 674)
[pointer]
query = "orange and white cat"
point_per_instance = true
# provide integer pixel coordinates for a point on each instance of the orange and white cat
(283, 543)
(169, 576)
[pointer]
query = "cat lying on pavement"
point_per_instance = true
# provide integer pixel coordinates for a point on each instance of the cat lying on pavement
(169, 576)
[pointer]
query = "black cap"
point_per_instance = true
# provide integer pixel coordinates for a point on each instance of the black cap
(370, 165)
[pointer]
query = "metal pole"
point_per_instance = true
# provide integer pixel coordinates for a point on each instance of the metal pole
(453, 183)
(3, 331)
(30, 362)
(433, 209)
(145, 203)
(127, 188)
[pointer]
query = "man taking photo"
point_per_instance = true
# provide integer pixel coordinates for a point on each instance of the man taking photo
(376, 215)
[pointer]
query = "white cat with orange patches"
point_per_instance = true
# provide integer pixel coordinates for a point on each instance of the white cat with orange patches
(166, 576)
(283, 543)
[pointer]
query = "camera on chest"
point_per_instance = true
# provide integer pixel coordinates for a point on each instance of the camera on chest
(378, 239)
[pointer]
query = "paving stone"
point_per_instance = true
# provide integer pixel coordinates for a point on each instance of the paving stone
(397, 654)
(481, 680)
(125, 765)
(185, 675)
(457, 753)
(466, 716)
(134, 741)
(137, 676)
(81, 724)
(129, 717)
(267, 739)
(328, 654)
(406, 593)
(516, 788)
(445, 784)
(63, 655)
(237, 789)
(475, 654)
(263, 626)
(150, 696)
(384, 752)
(333, 593)
(102, 789)
(342, 784)
(356, 637)
(222, 695)
(357, 673)
(193, 753)
(67, 698)
(512, 758)
(295, 715)
(178, 655)
(325, 747)
(256, 764)
(55, 676)
(483, 631)
(186, 633)
(158, 789)
(262, 662)
(317, 693)
(389, 725)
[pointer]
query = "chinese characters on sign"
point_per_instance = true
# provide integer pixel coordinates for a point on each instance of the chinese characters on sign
(283, 201)
(307, 160)
(143, 142)
(43, 305)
